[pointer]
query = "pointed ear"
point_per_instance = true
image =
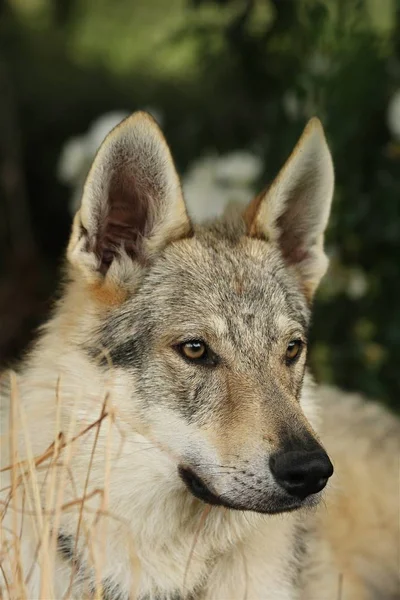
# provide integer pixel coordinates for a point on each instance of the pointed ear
(294, 211)
(132, 204)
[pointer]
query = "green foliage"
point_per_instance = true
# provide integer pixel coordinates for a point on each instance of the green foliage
(236, 74)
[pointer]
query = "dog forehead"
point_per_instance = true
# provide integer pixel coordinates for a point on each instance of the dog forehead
(245, 283)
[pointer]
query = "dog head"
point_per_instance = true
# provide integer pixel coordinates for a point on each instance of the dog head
(207, 326)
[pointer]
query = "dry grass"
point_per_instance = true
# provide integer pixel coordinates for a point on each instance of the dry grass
(33, 501)
(38, 490)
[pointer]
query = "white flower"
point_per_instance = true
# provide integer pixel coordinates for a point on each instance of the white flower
(210, 184)
(213, 182)
(100, 128)
(357, 284)
(78, 153)
(291, 104)
(238, 168)
(73, 156)
(393, 115)
(319, 64)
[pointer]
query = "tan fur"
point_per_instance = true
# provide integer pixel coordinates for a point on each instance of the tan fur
(362, 517)
(105, 409)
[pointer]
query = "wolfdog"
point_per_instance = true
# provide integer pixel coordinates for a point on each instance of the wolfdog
(164, 439)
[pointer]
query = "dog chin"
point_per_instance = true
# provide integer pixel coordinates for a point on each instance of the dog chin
(272, 505)
(279, 504)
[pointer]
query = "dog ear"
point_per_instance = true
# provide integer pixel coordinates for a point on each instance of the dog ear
(294, 211)
(132, 204)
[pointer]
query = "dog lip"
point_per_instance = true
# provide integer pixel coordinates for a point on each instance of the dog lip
(197, 486)
(278, 510)
(199, 489)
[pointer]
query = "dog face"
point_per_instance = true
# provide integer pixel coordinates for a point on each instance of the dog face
(209, 324)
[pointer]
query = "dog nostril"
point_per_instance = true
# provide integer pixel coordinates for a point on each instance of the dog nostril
(301, 473)
(296, 477)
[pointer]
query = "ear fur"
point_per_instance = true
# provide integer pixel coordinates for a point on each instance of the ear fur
(132, 204)
(294, 211)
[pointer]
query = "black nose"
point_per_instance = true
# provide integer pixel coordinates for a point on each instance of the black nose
(301, 473)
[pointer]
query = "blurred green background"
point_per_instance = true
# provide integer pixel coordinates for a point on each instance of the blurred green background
(223, 76)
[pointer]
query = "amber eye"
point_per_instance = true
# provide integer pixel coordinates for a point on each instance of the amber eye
(198, 353)
(293, 350)
(194, 350)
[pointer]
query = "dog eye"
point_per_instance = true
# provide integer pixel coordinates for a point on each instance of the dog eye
(293, 351)
(197, 352)
(193, 350)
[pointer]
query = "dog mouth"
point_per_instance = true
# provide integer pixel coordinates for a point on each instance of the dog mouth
(199, 489)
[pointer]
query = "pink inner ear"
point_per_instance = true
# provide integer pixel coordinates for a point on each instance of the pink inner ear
(292, 237)
(293, 225)
(296, 256)
(127, 220)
